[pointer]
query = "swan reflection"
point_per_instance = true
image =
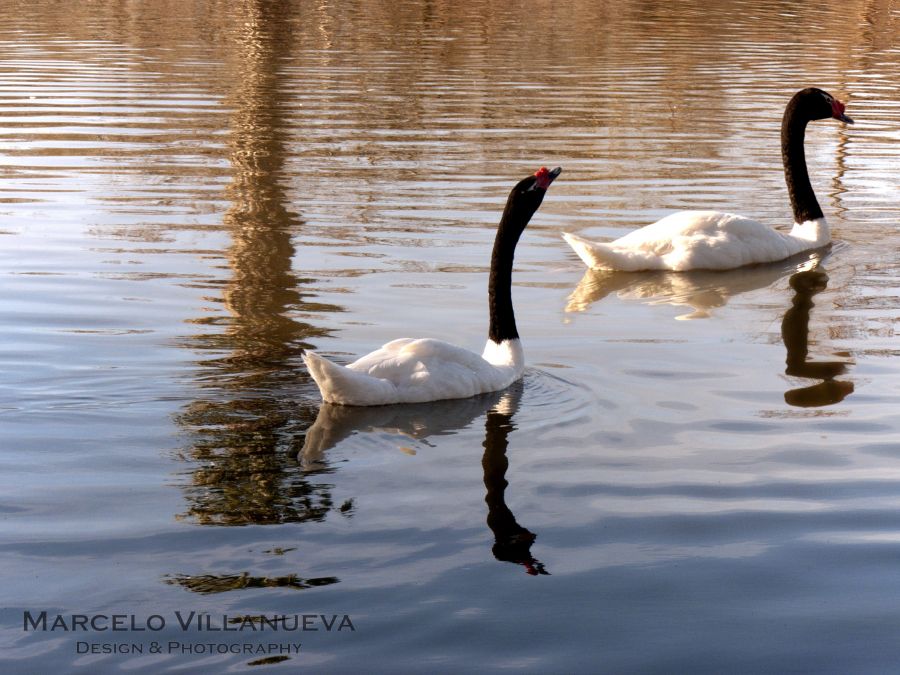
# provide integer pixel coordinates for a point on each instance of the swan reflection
(420, 421)
(512, 542)
(700, 290)
(795, 333)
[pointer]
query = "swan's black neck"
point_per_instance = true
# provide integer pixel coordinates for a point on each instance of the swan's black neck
(503, 320)
(793, 131)
(524, 200)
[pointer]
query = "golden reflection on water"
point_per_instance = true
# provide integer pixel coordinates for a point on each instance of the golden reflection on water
(207, 584)
(251, 416)
(195, 190)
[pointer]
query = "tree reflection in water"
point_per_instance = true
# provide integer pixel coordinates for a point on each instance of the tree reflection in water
(244, 427)
(207, 584)
(795, 333)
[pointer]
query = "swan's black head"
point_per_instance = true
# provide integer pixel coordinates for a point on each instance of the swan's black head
(820, 105)
(526, 197)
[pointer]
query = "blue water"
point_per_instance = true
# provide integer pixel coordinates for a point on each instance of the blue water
(698, 473)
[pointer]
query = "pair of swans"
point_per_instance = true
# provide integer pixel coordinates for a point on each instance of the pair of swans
(420, 370)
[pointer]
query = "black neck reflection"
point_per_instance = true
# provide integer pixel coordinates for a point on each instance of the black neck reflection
(419, 421)
(512, 542)
(795, 333)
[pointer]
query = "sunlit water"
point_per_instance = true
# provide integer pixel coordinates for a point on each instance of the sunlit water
(699, 473)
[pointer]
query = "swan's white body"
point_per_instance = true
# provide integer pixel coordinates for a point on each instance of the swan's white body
(711, 240)
(411, 370)
(693, 240)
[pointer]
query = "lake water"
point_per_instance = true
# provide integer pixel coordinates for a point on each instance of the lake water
(698, 473)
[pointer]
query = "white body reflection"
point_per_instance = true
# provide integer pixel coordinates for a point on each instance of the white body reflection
(700, 290)
(417, 422)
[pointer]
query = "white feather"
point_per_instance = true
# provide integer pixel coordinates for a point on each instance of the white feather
(415, 371)
(692, 240)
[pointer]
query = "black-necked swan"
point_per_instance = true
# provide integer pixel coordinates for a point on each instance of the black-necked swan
(713, 240)
(412, 370)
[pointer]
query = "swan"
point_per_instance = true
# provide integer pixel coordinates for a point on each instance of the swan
(713, 240)
(411, 370)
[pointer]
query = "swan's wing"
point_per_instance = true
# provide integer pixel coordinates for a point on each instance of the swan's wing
(721, 241)
(604, 256)
(680, 223)
(647, 247)
(429, 370)
(376, 359)
(400, 359)
(688, 240)
(344, 386)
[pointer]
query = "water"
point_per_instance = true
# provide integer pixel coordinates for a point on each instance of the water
(699, 473)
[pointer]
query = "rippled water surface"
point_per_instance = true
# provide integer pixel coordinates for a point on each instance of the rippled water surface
(698, 473)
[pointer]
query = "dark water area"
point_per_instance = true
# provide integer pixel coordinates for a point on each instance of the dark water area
(699, 472)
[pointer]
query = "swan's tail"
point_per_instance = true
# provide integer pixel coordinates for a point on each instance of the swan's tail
(341, 385)
(598, 256)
